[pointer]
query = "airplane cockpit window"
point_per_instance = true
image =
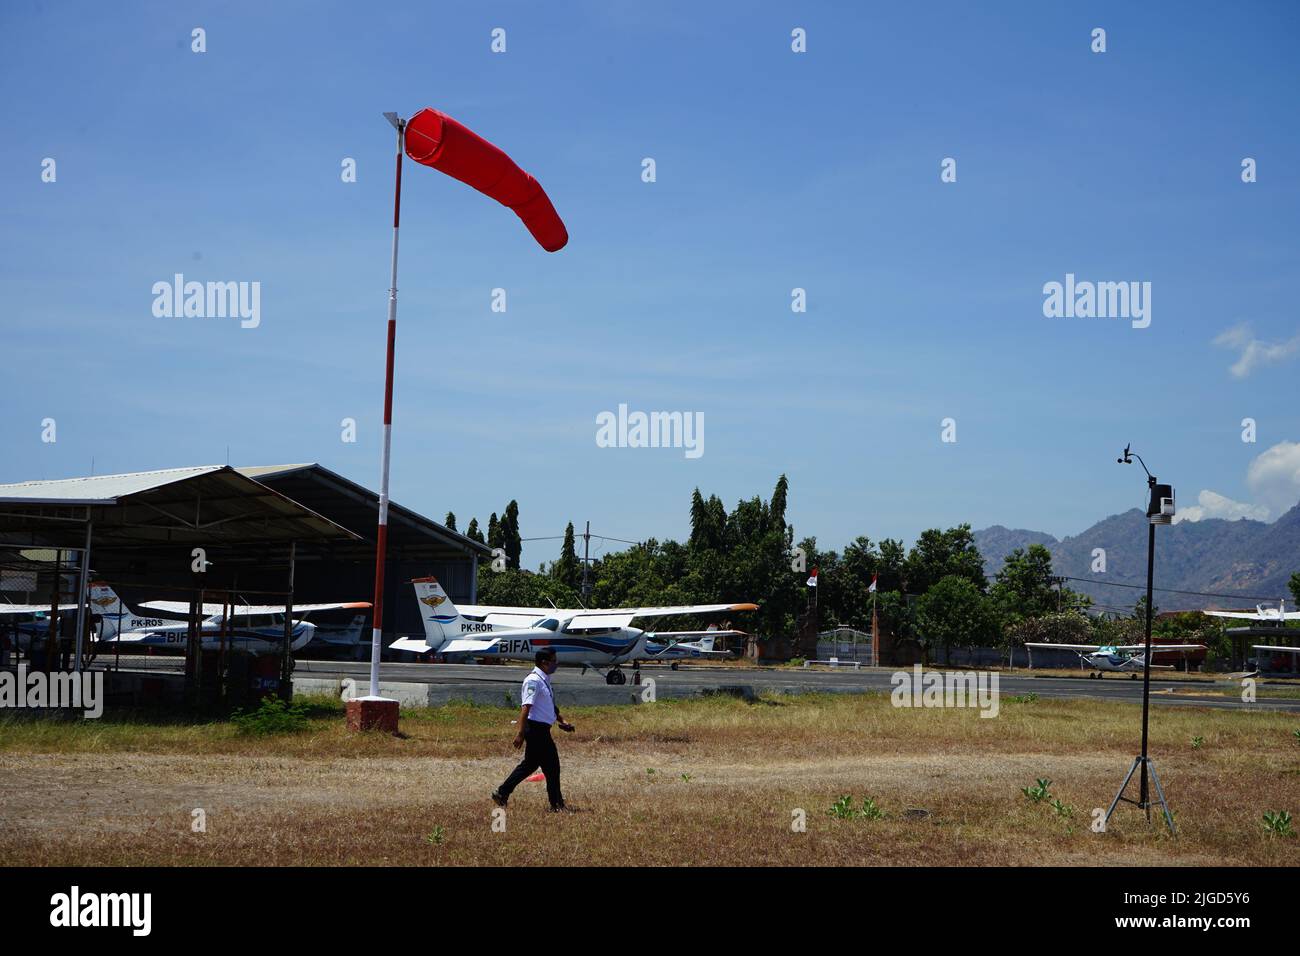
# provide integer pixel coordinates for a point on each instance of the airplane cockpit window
(550, 624)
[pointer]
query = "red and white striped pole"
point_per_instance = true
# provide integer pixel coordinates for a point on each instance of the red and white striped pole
(381, 538)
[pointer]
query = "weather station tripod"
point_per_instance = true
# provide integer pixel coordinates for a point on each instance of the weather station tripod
(1144, 799)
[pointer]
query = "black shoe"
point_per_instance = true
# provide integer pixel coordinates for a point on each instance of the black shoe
(561, 808)
(498, 799)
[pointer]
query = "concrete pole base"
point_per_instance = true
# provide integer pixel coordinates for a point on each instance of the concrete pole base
(372, 713)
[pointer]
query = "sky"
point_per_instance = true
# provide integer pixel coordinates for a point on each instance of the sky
(773, 170)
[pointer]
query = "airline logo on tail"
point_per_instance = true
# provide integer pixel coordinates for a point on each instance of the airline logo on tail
(442, 622)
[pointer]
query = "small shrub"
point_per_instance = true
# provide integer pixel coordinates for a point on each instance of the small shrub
(870, 810)
(1039, 792)
(1278, 822)
(273, 716)
(842, 809)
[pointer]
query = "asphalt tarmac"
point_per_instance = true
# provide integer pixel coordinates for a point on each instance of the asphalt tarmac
(493, 682)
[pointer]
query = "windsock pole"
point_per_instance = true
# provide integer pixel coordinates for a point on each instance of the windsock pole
(381, 538)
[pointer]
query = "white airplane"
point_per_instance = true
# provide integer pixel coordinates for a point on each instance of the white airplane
(336, 637)
(1265, 615)
(600, 640)
(32, 621)
(677, 646)
(1262, 649)
(256, 629)
(1110, 658)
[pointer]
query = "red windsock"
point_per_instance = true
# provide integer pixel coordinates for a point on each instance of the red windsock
(437, 140)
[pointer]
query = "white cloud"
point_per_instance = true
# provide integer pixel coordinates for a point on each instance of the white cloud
(1211, 504)
(1274, 482)
(1254, 352)
(1274, 477)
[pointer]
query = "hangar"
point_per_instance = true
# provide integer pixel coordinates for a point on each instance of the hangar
(298, 533)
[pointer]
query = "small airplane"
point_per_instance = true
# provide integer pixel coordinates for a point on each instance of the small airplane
(340, 637)
(597, 640)
(677, 646)
(1111, 658)
(1265, 615)
(32, 621)
(256, 629)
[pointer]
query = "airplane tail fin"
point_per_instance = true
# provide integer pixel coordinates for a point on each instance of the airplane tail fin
(706, 643)
(440, 617)
(111, 609)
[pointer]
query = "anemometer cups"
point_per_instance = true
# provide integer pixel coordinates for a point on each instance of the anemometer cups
(436, 140)
(1161, 508)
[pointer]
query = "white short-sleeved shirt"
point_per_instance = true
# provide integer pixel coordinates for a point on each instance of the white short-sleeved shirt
(537, 691)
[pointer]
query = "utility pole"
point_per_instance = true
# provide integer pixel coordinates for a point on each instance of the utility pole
(586, 548)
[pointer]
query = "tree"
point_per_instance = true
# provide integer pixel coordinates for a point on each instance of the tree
(1294, 585)
(515, 588)
(1025, 588)
(494, 538)
(450, 521)
(954, 612)
(473, 533)
(938, 554)
(510, 539)
(778, 502)
(1063, 627)
(892, 564)
(566, 569)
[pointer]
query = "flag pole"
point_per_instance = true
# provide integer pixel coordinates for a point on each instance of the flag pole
(875, 624)
(381, 537)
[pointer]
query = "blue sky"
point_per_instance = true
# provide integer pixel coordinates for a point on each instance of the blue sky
(775, 170)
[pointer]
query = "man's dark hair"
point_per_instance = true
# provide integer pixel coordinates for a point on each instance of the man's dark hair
(545, 654)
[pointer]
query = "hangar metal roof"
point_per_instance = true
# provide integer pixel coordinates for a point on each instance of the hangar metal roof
(205, 505)
(356, 508)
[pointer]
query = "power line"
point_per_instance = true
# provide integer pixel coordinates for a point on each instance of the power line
(1142, 587)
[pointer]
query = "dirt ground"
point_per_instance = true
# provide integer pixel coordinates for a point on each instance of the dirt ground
(717, 782)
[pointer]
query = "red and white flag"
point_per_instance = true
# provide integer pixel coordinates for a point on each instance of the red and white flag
(812, 581)
(872, 589)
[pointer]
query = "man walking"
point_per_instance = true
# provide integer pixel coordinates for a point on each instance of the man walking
(537, 713)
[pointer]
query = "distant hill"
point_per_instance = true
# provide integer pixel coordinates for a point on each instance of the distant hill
(1229, 557)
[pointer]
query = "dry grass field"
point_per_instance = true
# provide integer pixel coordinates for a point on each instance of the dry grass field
(711, 781)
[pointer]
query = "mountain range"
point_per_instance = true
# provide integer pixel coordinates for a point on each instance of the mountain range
(1248, 561)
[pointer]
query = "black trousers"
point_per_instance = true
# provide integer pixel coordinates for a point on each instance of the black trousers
(539, 752)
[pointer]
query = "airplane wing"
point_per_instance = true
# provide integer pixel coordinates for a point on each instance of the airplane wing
(532, 613)
(1079, 648)
(183, 607)
(678, 636)
(1243, 615)
(586, 621)
(681, 609)
(6, 609)
(1266, 647)
(1157, 648)
(510, 620)
(523, 616)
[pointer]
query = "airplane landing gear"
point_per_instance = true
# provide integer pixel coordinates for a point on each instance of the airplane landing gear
(615, 676)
